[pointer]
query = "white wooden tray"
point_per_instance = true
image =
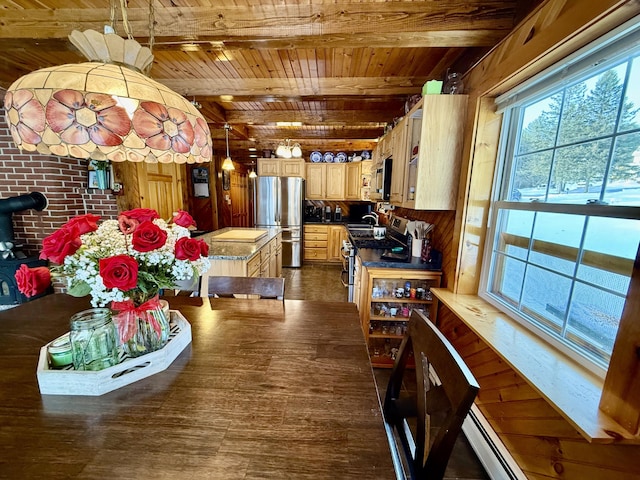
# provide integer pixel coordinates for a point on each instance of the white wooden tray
(71, 382)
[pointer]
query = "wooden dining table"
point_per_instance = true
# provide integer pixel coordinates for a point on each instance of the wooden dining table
(265, 390)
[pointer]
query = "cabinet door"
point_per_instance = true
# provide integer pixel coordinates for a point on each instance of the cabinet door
(353, 183)
(438, 169)
(316, 180)
(335, 181)
(399, 153)
(337, 233)
(292, 168)
(268, 167)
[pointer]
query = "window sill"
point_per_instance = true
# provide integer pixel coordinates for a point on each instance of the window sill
(570, 389)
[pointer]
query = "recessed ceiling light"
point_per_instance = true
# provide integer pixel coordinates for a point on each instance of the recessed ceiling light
(253, 149)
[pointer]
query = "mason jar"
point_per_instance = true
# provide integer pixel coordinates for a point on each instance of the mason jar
(93, 339)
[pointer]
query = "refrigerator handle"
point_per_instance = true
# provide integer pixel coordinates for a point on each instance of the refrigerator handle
(277, 211)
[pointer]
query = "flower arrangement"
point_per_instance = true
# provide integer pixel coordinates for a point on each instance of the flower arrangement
(121, 263)
(129, 258)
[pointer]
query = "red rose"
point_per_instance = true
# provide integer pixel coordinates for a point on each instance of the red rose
(33, 281)
(59, 244)
(127, 225)
(204, 248)
(120, 271)
(183, 219)
(83, 224)
(148, 236)
(141, 214)
(188, 249)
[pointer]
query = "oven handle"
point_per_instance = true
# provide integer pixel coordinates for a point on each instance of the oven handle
(342, 277)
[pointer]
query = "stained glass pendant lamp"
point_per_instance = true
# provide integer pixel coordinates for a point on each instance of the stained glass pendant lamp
(105, 109)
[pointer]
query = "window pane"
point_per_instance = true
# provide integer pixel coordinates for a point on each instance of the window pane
(556, 241)
(595, 315)
(631, 114)
(545, 296)
(508, 280)
(540, 124)
(590, 107)
(578, 172)
(530, 176)
(623, 185)
(516, 232)
(610, 247)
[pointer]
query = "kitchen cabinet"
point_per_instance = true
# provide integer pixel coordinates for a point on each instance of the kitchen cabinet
(265, 262)
(325, 181)
(316, 241)
(353, 182)
(322, 243)
(432, 153)
(385, 314)
(399, 155)
(365, 179)
(335, 184)
(281, 167)
(335, 237)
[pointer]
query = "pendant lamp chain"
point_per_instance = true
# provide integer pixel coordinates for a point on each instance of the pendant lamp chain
(226, 131)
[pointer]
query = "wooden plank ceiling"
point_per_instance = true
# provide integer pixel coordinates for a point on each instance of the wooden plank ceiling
(343, 70)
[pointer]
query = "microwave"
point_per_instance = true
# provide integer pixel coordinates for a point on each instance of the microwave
(382, 180)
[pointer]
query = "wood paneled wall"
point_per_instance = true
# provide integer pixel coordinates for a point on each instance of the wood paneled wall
(542, 442)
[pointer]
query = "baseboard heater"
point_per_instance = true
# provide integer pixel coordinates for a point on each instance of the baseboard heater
(494, 456)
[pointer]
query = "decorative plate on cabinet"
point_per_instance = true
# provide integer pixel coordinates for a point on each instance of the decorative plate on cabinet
(328, 157)
(366, 155)
(315, 157)
(341, 157)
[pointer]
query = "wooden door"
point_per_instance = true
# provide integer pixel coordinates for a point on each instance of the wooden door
(161, 187)
(239, 199)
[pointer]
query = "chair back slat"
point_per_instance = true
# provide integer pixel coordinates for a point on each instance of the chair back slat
(445, 390)
(264, 287)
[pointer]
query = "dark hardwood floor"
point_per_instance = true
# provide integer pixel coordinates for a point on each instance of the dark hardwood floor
(322, 282)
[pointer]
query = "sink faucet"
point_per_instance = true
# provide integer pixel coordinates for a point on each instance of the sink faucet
(373, 216)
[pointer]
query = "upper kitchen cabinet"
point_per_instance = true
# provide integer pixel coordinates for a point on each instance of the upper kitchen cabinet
(433, 152)
(399, 160)
(281, 167)
(325, 181)
(353, 183)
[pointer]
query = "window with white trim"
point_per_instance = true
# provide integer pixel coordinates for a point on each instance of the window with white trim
(565, 221)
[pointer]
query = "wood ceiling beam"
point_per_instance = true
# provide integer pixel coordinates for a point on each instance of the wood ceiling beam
(300, 135)
(334, 117)
(395, 24)
(296, 87)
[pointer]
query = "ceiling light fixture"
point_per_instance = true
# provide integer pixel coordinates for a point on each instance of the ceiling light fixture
(228, 163)
(286, 150)
(107, 108)
(253, 174)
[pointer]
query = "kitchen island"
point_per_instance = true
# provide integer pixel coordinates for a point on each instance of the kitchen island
(243, 252)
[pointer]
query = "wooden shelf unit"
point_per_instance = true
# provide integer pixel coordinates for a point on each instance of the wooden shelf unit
(384, 327)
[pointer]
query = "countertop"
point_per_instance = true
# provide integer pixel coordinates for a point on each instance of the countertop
(371, 257)
(236, 250)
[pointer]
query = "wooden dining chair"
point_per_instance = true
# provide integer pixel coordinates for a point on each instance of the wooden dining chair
(423, 424)
(264, 287)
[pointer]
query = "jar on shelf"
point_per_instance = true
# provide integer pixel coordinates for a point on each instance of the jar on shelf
(453, 84)
(93, 340)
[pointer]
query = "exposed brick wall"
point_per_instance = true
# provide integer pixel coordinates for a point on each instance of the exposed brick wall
(62, 180)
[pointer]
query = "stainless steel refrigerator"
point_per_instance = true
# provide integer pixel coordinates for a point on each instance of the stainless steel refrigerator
(278, 203)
